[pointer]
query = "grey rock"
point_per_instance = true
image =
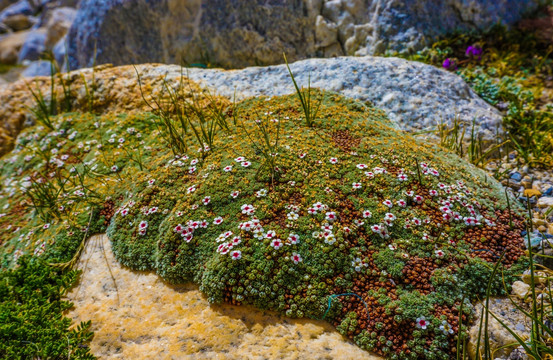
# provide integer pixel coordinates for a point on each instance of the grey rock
(242, 33)
(59, 52)
(22, 7)
(37, 68)
(33, 46)
(416, 96)
(518, 354)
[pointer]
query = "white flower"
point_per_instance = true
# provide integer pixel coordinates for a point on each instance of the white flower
(292, 216)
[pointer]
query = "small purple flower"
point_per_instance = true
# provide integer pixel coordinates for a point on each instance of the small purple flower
(474, 52)
(449, 64)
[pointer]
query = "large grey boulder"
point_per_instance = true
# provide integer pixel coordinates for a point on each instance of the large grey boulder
(59, 53)
(255, 32)
(38, 68)
(33, 46)
(416, 96)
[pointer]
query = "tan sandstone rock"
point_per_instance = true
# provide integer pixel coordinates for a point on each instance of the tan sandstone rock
(10, 45)
(135, 315)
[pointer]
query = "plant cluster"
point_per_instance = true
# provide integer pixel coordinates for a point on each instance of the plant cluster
(276, 214)
(32, 323)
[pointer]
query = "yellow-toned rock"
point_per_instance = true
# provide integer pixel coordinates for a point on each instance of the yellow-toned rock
(532, 192)
(116, 91)
(135, 315)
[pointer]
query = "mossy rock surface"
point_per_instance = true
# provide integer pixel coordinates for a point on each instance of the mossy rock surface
(352, 206)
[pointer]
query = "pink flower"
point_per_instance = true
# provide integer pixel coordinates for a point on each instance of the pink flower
(390, 217)
(236, 240)
(206, 200)
(439, 253)
(416, 221)
(369, 174)
(402, 177)
(302, 155)
(270, 234)
(312, 211)
(236, 255)
(293, 239)
(179, 228)
(191, 189)
(331, 216)
(46, 226)
(367, 214)
(124, 212)
(392, 247)
(361, 166)
(240, 159)
(234, 194)
(296, 258)
(433, 193)
(217, 220)
(223, 248)
(143, 225)
(151, 182)
(418, 199)
(356, 186)
(227, 168)
(245, 163)
(333, 160)
(422, 323)
(277, 244)
(401, 203)
(248, 209)
(376, 228)
(388, 203)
